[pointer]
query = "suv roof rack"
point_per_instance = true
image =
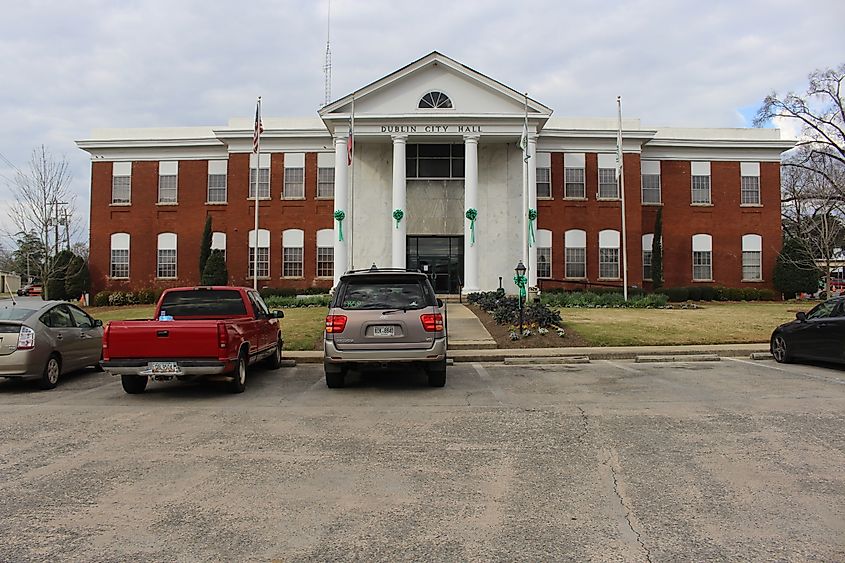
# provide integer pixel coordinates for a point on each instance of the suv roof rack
(375, 268)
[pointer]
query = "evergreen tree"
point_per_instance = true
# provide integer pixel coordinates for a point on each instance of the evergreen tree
(795, 271)
(78, 279)
(657, 252)
(215, 272)
(205, 244)
(56, 282)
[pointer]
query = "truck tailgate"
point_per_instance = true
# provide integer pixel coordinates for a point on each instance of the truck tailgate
(162, 339)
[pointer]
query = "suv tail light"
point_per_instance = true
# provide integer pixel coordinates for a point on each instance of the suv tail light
(26, 338)
(432, 322)
(335, 323)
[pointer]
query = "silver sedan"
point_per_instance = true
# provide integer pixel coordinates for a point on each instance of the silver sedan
(44, 339)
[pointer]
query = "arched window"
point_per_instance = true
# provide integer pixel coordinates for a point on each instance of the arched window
(263, 244)
(609, 254)
(325, 253)
(293, 241)
(702, 257)
(544, 253)
(575, 253)
(166, 259)
(752, 257)
(435, 100)
(119, 266)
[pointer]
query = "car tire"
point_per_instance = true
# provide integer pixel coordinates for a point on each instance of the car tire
(134, 384)
(437, 374)
(275, 360)
(50, 375)
(780, 350)
(335, 376)
(238, 383)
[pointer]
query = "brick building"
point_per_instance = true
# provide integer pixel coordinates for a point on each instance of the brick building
(434, 140)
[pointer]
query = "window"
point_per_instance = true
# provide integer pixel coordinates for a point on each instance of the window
(294, 176)
(573, 171)
(166, 259)
(325, 175)
(218, 242)
(292, 244)
(575, 253)
(325, 253)
(647, 253)
(752, 258)
(544, 253)
(608, 187)
(750, 183)
(544, 175)
(167, 181)
(609, 254)
(263, 176)
(435, 100)
(263, 245)
(700, 183)
(217, 174)
(650, 174)
(434, 161)
(702, 258)
(121, 183)
(119, 265)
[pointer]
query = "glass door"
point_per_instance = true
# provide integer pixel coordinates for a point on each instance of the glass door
(440, 258)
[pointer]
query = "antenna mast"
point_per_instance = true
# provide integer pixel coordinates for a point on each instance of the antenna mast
(327, 66)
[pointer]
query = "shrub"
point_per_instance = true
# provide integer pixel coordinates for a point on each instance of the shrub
(120, 298)
(279, 302)
(734, 294)
(708, 293)
(215, 272)
(78, 279)
(694, 293)
(101, 299)
(540, 314)
(146, 296)
(676, 294)
(751, 294)
(767, 294)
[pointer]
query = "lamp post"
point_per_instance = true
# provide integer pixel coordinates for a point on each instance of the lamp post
(520, 280)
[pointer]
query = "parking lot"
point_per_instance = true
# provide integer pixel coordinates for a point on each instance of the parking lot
(612, 460)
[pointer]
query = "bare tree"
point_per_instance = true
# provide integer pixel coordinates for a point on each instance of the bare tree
(44, 207)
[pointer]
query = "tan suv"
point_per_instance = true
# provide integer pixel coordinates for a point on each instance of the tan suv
(383, 317)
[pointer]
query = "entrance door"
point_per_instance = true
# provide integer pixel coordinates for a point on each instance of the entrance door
(441, 258)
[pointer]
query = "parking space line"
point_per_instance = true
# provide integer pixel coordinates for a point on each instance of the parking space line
(620, 366)
(790, 372)
(498, 392)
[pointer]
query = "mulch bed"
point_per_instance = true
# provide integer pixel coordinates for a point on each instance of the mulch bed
(501, 334)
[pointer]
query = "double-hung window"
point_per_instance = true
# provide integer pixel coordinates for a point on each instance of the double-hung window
(609, 254)
(121, 183)
(544, 253)
(259, 179)
(218, 242)
(702, 257)
(166, 257)
(575, 254)
(648, 240)
(608, 186)
(750, 183)
(293, 241)
(168, 177)
(325, 175)
(752, 257)
(650, 177)
(700, 183)
(119, 263)
(294, 176)
(325, 253)
(573, 171)
(261, 267)
(544, 175)
(217, 181)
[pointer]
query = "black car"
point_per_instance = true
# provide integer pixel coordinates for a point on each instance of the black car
(817, 335)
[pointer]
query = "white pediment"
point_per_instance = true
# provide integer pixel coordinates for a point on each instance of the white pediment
(398, 95)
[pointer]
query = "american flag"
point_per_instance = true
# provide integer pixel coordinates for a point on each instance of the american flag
(259, 127)
(349, 145)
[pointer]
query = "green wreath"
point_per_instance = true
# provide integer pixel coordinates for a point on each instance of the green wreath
(339, 216)
(472, 215)
(398, 214)
(532, 216)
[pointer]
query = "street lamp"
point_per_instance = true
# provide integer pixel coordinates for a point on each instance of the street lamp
(521, 281)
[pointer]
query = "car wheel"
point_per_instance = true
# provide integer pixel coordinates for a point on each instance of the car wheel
(437, 374)
(238, 383)
(275, 360)
(335, 376)
(134, 384)
(50, 376)
(780, 350)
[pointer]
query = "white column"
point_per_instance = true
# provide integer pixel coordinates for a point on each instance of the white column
(341, 197)
(471, 201)
(532, 204)
(399, 190)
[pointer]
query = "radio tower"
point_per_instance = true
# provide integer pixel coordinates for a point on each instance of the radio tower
(327, 67)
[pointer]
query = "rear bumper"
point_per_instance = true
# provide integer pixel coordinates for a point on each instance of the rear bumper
(332, 355)
(187, 368)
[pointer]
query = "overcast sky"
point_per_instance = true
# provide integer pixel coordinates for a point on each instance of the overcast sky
(68, 66)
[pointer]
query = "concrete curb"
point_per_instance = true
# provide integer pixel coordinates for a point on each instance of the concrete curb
(681, 358)
(551, 360)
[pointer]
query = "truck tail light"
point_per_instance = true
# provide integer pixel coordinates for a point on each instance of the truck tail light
(432, 322)
(335, 323)
(106, 335)
(26, 338)
(222, 337)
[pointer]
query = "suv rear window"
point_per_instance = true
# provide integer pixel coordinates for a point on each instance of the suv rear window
(203, 303)
(383, 293)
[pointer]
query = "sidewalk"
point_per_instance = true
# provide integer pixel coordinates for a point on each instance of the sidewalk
(469, 341)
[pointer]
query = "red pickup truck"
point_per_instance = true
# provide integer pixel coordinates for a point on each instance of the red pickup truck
(197, 331)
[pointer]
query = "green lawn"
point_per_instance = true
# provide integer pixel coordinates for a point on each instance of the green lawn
(302, 327)
(712, 323)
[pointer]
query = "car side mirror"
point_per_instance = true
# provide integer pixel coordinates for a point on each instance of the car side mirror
(801, 316)
(98, 322)
(439, 303)
(278, 314)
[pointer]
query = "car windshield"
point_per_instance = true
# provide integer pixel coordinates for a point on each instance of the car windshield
(383, 294)
(203, 303)
(9, 312)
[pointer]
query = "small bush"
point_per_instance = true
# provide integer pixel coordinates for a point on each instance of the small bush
(751, 294)
(279, 302)
(708, 293)
(694, 293)
(146, 296)
(734, 294)
(767, 294)
(101, 299)
(676, 294)
(120, 298)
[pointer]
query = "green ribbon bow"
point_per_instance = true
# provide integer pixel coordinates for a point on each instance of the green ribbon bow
(398, 214)
(521, 282)
(339, 216)
(472, 215)
(532, 216)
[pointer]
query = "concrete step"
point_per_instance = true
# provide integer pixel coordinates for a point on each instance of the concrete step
(472, 344)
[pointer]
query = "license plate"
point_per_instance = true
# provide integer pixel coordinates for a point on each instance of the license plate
(383, 331)
(164, 367)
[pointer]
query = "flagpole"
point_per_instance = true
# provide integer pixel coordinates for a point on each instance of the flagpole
(257, 150)
(525, 156)
(351, 193)
(621, 177)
